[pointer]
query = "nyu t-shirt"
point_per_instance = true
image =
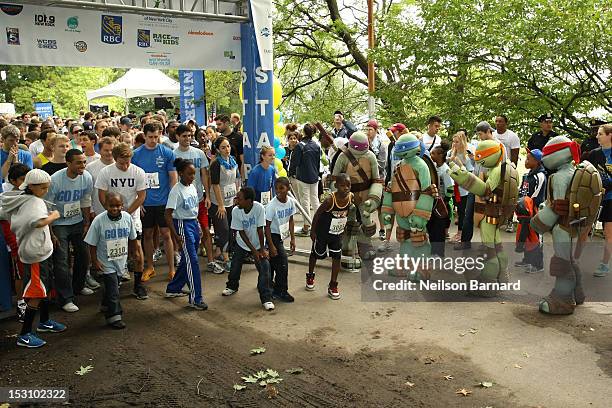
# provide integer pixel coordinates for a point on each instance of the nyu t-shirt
(280, 213)
(94, 168)
(262, 180)
(23, 156)
(199, 160)
(156, 163)
(125, 183)
(248, 223)
(184, 201)
(69, 196)
(111, 240)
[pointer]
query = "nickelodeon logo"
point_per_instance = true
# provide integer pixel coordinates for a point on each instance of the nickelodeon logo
(199, 32)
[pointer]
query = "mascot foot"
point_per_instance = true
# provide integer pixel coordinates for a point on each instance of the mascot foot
(555, 306)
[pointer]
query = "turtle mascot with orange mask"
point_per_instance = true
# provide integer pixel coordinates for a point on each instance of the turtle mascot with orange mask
(496, 192)
(356, 160)
(574, 195)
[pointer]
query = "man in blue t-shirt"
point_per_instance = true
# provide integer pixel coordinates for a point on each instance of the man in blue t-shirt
(11, 153)
(157, 161)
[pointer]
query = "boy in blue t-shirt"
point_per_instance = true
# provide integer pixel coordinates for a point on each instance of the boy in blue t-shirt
(108, 242)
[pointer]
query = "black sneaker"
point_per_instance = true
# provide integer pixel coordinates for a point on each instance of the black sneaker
(140, 292)
(118, 325)
(382, 234)
(283, 297)
(199, 306)
(521, 264)
(460, 246)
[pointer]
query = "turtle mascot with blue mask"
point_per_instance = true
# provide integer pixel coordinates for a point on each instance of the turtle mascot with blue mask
(496, 193)
(574, 195)
(359, 163)
(410, 197)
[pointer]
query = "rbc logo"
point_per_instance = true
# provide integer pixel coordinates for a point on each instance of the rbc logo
(112, 29)
(143, 38)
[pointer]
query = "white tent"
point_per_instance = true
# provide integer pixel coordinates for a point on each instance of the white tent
(137, 82)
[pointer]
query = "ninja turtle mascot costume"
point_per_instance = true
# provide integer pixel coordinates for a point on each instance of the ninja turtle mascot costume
(410, 196)
(360, 164)
(495, 193)
(573, 198)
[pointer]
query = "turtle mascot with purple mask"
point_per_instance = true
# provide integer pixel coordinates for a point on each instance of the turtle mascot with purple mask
(573, 198)
(496, 192)
(360, 164)
(410, 197)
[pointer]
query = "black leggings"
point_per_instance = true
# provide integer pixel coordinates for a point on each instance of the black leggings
(221, 226)
(461, 211)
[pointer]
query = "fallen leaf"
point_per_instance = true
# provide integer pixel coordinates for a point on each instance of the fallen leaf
(517, 366)
(249, 380)
(239, 387)
(274, 380)
(591, 329)
(271, 373)
(297, 370)
(463, 392)
(486, 384)
(6, 405)
(272, 391)
(408, 383)
(84, 370)
(263, 383)
(448, 377)
(525, 354)
(473, 331)
(461, 334)
(258, 350)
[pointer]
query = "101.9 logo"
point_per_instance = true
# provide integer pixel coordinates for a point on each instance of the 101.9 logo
(44, 20)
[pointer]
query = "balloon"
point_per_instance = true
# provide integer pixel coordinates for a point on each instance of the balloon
(276, 142)
(279, 130)
(277, 116)
(277, 93)
(240, 92)
(280, 170)
(280, 152)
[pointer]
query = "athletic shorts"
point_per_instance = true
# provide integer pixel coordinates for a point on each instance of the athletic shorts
(606, 211)
(203, 215)
(154, 215)
(331, 244)
(37, 279)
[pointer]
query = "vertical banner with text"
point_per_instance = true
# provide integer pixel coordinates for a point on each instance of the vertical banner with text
(193, 96)
(258, 112)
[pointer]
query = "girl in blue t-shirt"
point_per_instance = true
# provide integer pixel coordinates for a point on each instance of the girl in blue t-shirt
(263, 176)
(182, 219)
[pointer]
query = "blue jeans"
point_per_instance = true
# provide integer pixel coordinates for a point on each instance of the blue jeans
(188, 271)
(263, 280)
(69, 279)
(468, 220)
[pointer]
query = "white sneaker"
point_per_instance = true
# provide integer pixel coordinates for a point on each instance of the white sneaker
(70, 307)
(126, 276)
(177, 259)
(90, 282)
(229, 292)
(86, 291)
(215, 268)
(268, 306)
(157, 255)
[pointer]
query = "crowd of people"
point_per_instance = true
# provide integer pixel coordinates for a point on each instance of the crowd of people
(95, 201)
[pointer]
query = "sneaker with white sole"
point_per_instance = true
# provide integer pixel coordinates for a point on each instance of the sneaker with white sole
(30, 340)
(174, 294)
(51, 326)
(177, 259)
(268, 306)
(125, 277)
(140, 292)
(228, 292)
(310, 281)
(602, 270)
(384, 247)
(532, 269)
(70, 307)
(199, 306)
(332, 291)
(86, 291)
(90, 282)
(157, 255)
(215, 268)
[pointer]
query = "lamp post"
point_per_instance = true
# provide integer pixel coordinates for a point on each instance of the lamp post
(371, 84)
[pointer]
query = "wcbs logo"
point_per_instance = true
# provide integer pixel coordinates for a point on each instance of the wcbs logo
(112, 29)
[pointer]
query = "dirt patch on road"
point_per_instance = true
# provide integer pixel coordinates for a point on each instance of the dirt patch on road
(174, 357)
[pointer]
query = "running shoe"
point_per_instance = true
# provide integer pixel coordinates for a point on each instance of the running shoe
(86, 291)
(177, 259)
(90, 282)
(228, 292)
(214, 267)
(283, 297)
(601, 271)
(125, 277)
(174, 294)
(30, 340)
(532, 269)
(51, 326)
(269, 306)
(382, 234)
(199, 306)
(117, 325)
(310, 281)
(140, 292)
(148, 273)
(70, 307)
(157, 255)
(333, 292)
(521, 264)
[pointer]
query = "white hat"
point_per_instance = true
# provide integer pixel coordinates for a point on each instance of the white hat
(35, 176)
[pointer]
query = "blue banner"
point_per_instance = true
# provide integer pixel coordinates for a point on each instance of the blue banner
(257, 108)
(44, 109)
(193, 96)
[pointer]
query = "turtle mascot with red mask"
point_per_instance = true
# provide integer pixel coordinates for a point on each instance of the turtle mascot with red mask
(573, 198)
(356, 160)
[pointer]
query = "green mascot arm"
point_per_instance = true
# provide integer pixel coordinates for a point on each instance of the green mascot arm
(546, 218)
(387, 209)
(418, 219)
(467, 180)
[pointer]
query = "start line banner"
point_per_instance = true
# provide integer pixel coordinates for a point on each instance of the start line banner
(56, 36)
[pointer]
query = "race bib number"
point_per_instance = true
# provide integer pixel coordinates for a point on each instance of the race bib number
(72, 209)
(265, 197)
(152, 180)
(229, 191)
(284, 231)
(116, 249)
(337, 226)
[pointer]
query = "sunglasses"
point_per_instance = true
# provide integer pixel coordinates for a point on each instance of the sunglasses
(76, 132)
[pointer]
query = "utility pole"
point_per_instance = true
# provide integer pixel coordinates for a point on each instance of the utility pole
(371, 84)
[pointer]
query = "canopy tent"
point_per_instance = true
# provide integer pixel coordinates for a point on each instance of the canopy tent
(138, 82)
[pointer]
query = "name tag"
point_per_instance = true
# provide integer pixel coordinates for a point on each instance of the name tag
(229, 191)
(337, 225)
(116, 249)
(72, 209)
(152, 180)
(265, 197)
(284, 231)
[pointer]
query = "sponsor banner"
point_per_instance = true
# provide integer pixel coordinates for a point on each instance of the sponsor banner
(44, 109)
(261, 12)
(56, 36)
(193, 101)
